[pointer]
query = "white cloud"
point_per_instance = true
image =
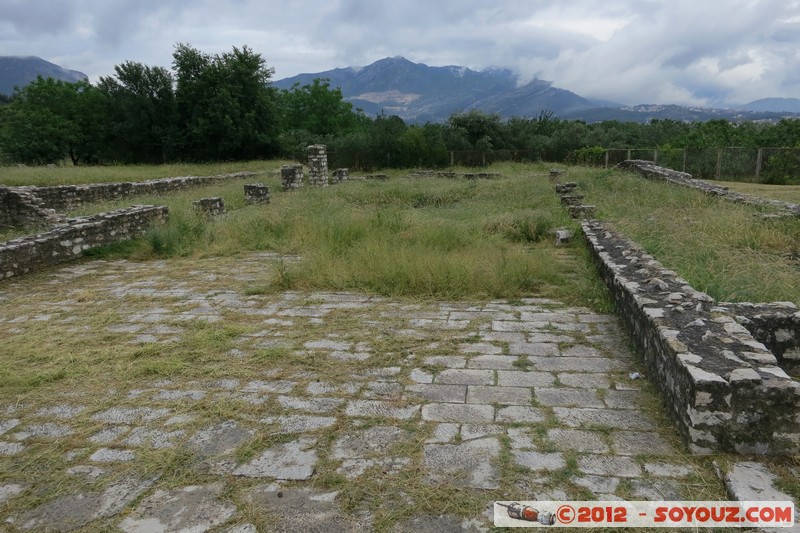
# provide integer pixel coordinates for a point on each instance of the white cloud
(666, 51)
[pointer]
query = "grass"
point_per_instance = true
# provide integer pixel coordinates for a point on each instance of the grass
(787, 193)
(452, 239)
(72, 175)
(721, 248)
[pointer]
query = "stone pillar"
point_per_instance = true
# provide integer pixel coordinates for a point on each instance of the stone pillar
(340, 175)
(317, 165)
(209, 207)
(256, 193)
(292, 177)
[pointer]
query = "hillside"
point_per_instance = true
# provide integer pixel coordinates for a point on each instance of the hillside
(17, 71)
(420, 93)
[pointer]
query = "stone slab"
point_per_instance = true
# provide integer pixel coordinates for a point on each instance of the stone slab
(578, 440)
(567, 397)
(465, 377)
(538, 460)
(294, 460)
(196, 508)
(378, 408)
(472, 461)
(436, 392)
(459, 413)
(498, 395)
(518, 378)
(609, 465)
(621, 419)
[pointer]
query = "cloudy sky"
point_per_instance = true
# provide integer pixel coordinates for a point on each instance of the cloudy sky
(705, 52)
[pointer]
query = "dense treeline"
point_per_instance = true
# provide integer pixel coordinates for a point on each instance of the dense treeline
(223, 107)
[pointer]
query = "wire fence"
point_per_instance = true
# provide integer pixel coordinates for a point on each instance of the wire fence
(766, 164)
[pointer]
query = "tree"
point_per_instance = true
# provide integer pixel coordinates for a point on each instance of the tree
(226, 108)
(142, 111)
(48, 120)
(317, 109)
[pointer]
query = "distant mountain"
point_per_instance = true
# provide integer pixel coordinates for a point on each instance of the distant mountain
(775, 105)
(16, 71)
(420, 93)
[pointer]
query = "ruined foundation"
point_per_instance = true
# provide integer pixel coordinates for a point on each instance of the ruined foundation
(68, 241)
(723, 388)
(317, 165)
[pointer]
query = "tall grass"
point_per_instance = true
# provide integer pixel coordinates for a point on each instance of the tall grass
(721, 248)
(74, 175)
(427, 238)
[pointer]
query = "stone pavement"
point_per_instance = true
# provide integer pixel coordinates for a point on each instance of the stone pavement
(323, 412)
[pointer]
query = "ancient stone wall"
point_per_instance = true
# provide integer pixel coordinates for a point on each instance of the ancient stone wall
(19, 209)
(722, 386)
(777, 325)
(650, 170)
(67, 241)
(67, 197)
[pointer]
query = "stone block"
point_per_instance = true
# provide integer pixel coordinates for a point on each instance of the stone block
(291, 177)
(256, 193)
(209, 207)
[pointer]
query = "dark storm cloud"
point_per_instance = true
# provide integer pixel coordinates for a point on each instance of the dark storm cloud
(670, 51)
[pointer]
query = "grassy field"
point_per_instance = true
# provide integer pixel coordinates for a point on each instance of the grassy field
(72, 175)
(787, 193)
(442, 238)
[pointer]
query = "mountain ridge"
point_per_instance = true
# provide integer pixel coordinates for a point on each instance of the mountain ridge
(19, 71)
(420, 93)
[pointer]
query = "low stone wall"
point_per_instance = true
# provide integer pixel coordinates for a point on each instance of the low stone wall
(650, 170)
(777, 325)
(722, 387)
(67, 197)
(19, 209)
(66, 242)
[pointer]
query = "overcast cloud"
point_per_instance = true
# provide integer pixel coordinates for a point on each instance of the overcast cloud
(704, 52)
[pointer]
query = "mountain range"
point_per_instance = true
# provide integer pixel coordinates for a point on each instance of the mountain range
(17, 71)
(419, 93)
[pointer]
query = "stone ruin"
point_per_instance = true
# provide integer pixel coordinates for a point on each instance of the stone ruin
(69, 240)
(723, 388)
(291, 177)
(720, 367)
(65, 238)
(650, 170)
(317, 165)
(209, 207)
(339, 175)
(256, 193)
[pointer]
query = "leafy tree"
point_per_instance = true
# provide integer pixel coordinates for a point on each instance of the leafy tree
(142, 111)
(226, 108)
(317, 109)
(476, 130)
(48, 120)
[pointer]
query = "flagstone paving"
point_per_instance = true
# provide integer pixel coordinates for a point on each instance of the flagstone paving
(327, 411)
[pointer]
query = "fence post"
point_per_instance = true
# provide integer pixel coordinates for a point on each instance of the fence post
(606, 164)
(684, 160)
(629, 154)
(759, 160)
(452, 159)
(718, 172)
(655, 156)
